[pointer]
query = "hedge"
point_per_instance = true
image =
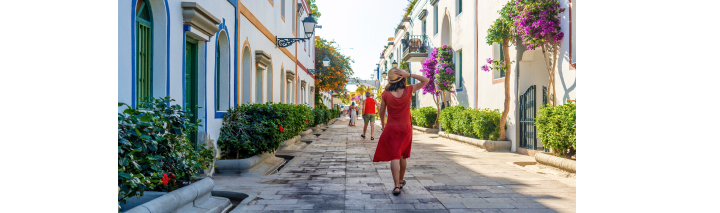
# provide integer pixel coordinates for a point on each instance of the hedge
(556, 127)
(481, 124)
(154, 153)
(424, 117)
(252, 129)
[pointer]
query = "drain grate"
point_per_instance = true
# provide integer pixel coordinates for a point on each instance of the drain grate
(285, 162)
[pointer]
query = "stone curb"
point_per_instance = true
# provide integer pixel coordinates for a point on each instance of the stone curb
(502, 146)
(191, 198)
(242, 165)
(306, 132)
(557, 162)
(425, 130)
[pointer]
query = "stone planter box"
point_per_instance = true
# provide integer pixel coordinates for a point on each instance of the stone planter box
(306, 132)
(237, 166)
(426, 130)
(502, 146)
(195, 197)
(557, 162)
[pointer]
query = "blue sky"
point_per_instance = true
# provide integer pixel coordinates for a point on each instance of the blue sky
(364, 26)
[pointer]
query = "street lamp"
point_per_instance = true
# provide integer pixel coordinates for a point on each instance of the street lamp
(309, 25)
(326, 63)
(394, 64)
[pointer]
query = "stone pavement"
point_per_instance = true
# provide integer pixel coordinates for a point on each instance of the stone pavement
(336, 174)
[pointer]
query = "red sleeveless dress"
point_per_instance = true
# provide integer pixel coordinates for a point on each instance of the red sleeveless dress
(396, 139)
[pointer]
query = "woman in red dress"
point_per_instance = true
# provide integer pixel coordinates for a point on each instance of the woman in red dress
(395, 141)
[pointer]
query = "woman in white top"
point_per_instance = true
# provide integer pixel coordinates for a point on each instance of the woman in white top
(353, 114)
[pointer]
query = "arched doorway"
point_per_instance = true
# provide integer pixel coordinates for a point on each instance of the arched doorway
(445, 36)
(247, 77)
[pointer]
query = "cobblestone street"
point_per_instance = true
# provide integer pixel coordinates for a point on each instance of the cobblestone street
(335, 173)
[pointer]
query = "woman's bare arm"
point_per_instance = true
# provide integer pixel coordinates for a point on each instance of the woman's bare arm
(423, 80)
(383, 107)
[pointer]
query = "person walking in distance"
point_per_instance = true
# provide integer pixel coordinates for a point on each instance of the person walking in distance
(396, 139)
(369, 115)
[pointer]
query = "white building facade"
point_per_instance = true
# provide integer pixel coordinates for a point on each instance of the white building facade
(462, 25)
(214, 54)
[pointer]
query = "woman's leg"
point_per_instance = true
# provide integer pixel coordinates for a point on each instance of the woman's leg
(403, 166)
(395, 169)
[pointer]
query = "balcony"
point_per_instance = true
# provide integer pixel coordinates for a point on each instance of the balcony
(415, 48)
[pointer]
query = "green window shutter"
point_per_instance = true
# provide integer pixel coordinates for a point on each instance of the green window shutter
(460, 85)
(144, 42)
(435, 20)
(502, 57)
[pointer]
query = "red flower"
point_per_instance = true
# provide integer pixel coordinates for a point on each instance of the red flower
(306, 120)
(172, 175)
(165, 179)
(281, 129)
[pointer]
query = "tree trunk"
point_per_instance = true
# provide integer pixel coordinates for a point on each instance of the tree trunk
(506, 109)
(437, 119)
(550, 65)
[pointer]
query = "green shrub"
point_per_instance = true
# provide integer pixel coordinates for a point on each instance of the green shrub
(485, 124)
(447, 116)
(556, 128)
(481, 124)
(251, 129)
(424, 117)
(152, 142)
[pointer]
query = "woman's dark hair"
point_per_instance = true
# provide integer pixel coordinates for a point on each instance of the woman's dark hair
(397, 85)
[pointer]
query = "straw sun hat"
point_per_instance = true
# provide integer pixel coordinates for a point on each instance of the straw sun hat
(392, 76)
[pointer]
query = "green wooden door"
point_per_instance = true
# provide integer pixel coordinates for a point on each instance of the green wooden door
(191, 84)
(144, 50)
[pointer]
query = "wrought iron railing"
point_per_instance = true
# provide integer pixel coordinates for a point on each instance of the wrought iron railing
(414, 44)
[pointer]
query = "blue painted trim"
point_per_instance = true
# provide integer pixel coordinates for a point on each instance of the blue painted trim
(206, 109)
(132, 54)
(186, 27)
(459, 90)
(221, 27)
(183, 68)
(220, 114)
(234, 2)
(235, 56)
(167, 54)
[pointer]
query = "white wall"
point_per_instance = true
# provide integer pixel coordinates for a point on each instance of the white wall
(264, 11)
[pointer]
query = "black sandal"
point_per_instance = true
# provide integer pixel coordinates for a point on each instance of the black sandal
(371, 138)
(363, 135)
(396, 193)
(403, 184)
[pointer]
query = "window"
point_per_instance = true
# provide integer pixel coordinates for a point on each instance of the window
(498, 54)
(143, 62)
(435, 20)
(573, 34)
(282, 9)
(424, 28)
(459, 77)
(282, 86)
(459, 7)
(258, 85)
(294, 18)
(270, 83)
(222, 73)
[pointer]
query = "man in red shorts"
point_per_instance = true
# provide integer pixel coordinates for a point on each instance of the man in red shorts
(369, 115)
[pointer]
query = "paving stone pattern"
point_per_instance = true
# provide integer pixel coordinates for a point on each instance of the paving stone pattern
(336, 174)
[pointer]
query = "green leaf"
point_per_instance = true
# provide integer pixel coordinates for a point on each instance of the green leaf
(145, 118)
(124, 175)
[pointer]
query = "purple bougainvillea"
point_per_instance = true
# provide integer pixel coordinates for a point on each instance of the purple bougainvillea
(537, 22)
